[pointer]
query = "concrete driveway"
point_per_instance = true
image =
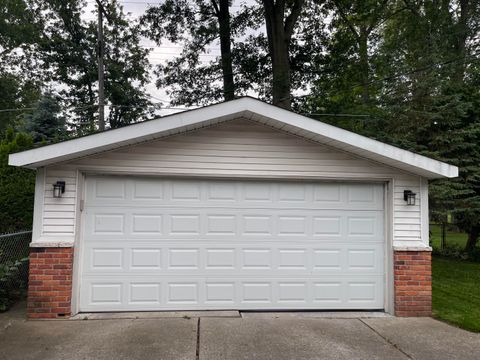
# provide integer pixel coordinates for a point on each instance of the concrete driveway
(228, 336)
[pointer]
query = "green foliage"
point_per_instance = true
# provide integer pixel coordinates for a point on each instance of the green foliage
(190, 78)
(68, 50)
(16, 92)
(17, 185)
(45, 123)
(19, 32)
(455, 251)
(417, 84)
(11, 283)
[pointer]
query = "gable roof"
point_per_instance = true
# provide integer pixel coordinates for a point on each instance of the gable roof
(246, 107)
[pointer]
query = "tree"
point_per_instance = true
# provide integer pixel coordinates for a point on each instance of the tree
(280, 28)
(67, 49)
(222, 12)
(18, 92)
(196, 26)
(45, 123)
(19, 82)
(434, 101)
(17, 185)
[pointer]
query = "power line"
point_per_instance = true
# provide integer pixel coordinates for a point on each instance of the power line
(398, 75)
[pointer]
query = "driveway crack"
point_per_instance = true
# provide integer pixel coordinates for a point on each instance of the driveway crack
(197, 351)
(387, 340)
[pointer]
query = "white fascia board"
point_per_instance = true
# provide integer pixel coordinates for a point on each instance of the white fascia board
(390, 154)
(134, 133)
(256, 109)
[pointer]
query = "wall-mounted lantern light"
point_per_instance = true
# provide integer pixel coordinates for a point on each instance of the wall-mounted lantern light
(58, 189)
(409, 197)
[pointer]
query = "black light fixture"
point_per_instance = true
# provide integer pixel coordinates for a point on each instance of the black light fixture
(409, 197)
(58, 189)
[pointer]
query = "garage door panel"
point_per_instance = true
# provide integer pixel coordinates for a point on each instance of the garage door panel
(194, 293)
(247, 194)
(220, 259)
(171, 244)
(205, 224)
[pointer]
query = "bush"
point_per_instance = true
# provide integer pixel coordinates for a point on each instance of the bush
(12, 283)
(17, 185)
(458, 252)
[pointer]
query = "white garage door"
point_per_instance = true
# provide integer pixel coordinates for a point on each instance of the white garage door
(158, 244)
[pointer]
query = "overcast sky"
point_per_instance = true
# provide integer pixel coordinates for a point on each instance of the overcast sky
(134, 9)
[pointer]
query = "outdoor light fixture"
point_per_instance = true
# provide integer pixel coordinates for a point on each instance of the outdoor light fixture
(409, 197)
(58, 189)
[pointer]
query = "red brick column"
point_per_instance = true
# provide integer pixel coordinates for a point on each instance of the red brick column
(50, 283)
(413, 283)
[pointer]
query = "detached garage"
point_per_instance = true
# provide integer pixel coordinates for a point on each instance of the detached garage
(239, 205)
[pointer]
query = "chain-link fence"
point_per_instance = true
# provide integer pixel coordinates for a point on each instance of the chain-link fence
(14, 250)
(444, 236)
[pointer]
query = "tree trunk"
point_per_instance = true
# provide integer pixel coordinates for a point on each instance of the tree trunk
(364, 68)
(461, 39)
(280, 67)
(226, 51)
(472, 240)
(279, 34)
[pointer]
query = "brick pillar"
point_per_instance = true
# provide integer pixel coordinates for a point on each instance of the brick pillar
(413, 283)
(50, 283)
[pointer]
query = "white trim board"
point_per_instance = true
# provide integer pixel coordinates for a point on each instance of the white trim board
(243, 107)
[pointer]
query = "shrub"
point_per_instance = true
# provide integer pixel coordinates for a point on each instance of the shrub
(458, 252)
(17, 185)
(11, 282)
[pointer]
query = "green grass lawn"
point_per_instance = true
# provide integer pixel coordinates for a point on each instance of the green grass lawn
(456, 292)
(452, 238)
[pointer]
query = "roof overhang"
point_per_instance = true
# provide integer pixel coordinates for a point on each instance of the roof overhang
(243, 107)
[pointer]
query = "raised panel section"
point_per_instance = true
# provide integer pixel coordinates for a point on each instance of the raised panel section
(257, 225)
(107, 258)
(289, 292)
(222, 192)
(108, 223)
(183, 293)
(183, 258)
(146, 259)
(257, 292)
(361, 194)
(364, 226)
(220, 259)
(292, 225)
(184, 224)
(257, 259)
(327, 193)
(147, 224)
(361, 259)
(220, 292)
(327, 292)
(221, 224)
(183, 190)
(257, 192)
(292, 192)
(144, 293)
(327, 226)
(148, 190)
(324, 259)
(292, 259)
(109, 189)
(106, 293)
(361, 291)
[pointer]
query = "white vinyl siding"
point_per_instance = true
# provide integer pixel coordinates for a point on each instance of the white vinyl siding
(236, 149)
(59, 214)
